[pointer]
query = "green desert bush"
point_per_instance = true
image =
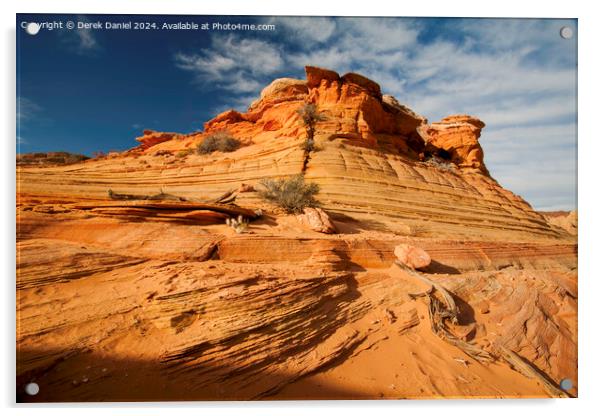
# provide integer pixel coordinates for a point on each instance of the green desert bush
(292, 193)
(221, 141)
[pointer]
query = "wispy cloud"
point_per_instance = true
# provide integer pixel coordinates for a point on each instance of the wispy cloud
(232, 63)
(87, 41)
(81, 41)
(27, 113)
(305, 30)
(26, 110)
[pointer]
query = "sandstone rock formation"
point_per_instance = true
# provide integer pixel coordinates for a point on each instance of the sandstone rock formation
(457, 138)
(370, 161)
(49, 158)
(151, 138)
(317, 220)
(160, 300)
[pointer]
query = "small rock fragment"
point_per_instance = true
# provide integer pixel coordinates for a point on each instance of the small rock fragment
(317, 220)
(412, 256)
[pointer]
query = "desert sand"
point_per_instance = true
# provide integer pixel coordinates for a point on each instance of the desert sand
(122, 300)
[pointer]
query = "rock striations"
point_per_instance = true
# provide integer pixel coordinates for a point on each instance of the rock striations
(375, 156)
(157, 298)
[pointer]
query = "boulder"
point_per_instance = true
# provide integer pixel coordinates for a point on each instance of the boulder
(223, 119)
(280, 90)
(317, 220)
(412, 256)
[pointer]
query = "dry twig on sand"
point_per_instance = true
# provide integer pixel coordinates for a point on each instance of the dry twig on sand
(227, 198)
(440, 312)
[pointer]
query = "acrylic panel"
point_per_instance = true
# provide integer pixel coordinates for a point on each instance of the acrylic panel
(269, 208)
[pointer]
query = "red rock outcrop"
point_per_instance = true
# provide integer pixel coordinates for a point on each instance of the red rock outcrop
(151, 138)
(369, 160)
(456, 137)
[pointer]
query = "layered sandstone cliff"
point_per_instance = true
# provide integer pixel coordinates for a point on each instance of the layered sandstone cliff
(376, 156)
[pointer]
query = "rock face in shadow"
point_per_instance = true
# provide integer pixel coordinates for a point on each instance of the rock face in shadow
(162, 300)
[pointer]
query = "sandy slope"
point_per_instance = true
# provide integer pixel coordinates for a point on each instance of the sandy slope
(129, 311)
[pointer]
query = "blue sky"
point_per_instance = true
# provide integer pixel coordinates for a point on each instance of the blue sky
(95, 90)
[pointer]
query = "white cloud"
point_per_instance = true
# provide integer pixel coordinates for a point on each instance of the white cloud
(378, 34)
(537, 161)
(333, 58)
(233, 63)
(240, 103)
(306, 30)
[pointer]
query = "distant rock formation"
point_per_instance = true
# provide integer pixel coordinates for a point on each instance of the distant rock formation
(354, 109)
(567, 220)
(49, 159)
(151, 138)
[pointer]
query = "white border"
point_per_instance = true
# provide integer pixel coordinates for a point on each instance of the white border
(590, 155)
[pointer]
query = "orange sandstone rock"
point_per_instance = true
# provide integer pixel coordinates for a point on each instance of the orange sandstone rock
(457, 136)
(315, 76)
(318, 220)
(369, 161)
(152, 138)
(411, 256)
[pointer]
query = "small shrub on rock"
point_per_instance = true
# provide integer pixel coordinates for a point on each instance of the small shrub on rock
(183, 153)
(221, 141)
(310, 116)
(309, 145)
(292, 194)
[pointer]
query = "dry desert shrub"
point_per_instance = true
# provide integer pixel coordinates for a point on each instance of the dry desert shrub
(183, 153)
(221, 141)
(439, 163)
(310, 116)
(292, 194)
(309, 145)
